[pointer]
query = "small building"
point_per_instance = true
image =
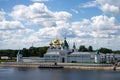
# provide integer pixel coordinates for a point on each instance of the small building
(5, 57)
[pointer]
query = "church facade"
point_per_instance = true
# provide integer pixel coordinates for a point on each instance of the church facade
(59, 52)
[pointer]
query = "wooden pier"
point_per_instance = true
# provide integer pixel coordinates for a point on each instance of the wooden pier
(50, 66)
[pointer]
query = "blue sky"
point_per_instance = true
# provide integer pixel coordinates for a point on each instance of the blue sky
(85, 22)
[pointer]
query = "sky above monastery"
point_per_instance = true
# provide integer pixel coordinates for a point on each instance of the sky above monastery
(85, 22)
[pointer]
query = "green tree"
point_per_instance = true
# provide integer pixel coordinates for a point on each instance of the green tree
(37, 51)
(117, 52)
(32, 51)
(105, 50)
(82, 48)
(90, 49)
(25, 52)
(42, 50)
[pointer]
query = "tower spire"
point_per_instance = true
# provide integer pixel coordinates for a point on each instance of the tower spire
(74, 47)
(65, 38)
(32, 44)
(65, 44)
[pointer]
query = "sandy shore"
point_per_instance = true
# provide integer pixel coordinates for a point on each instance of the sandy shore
(91, 68)
(65, 65)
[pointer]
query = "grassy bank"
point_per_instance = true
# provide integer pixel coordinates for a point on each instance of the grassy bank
(7, 60)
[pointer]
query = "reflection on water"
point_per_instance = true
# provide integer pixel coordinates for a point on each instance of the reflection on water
(6, 70)
(55, 74)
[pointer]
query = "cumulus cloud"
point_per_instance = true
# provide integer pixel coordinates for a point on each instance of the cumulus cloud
(11, 32)
(30, 12)
(12, 29)
(81, 28)
(104, 26)
(11, 25)
(52, 32)
(39, 14)
(107, 6)
(98, 26)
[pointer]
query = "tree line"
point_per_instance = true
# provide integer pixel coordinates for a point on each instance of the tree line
(40, 51)
(82, 48)
(32, 51)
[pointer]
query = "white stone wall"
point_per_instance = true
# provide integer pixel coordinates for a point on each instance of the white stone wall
(33, 59)
(51, 58)
(82, 58)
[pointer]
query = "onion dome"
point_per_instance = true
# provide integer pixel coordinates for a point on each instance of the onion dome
(57, 41)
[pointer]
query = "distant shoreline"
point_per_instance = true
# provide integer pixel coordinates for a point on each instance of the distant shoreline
(65, 65)
(91, 67)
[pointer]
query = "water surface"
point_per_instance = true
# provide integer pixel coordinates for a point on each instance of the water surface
(12, 73)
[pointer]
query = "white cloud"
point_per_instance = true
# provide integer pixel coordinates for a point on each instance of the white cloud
(52, 32)
(89, 4)
(11, 32)
(62, 16)
(2, 15)
(98, 26)
(11, 25)
(37, 10)
(107, 6)
(103, 22)
(75, 11)
(104, 26)
(51, 24)
(39, 14)
(39, 0)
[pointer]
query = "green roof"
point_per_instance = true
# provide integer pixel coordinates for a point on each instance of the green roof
(65, 44)
(97, 52)
(18, 52)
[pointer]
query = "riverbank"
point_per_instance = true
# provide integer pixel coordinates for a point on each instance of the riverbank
(91, 68)
(65, 65)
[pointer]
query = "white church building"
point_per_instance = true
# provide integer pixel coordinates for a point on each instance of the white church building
(60, 52)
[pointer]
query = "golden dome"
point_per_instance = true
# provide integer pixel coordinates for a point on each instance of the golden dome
(61, 43)
(51, 43)
(57, 41)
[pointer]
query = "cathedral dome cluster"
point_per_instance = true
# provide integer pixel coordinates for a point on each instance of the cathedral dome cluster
(57, 44)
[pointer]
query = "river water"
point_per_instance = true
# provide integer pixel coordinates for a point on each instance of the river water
(12, 73)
